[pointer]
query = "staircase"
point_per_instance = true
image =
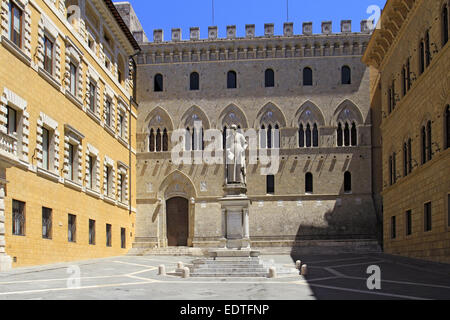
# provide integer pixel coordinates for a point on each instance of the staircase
(224, 267)
(169, 251)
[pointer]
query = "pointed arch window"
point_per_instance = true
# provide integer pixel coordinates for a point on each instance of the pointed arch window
(269, 137)
(346, 135)
(429, 142)
(444, 25)
(188, 140)
(340, 142)
(165, 140)
(309, 183)
(427, 48)
(307, 76)
(424, 144)
(159, 83)
(151, 141)
(269, 78)
(301, 136)
(422, 56)
(232, 80)
(308, 135)
(315, 136)
(447, 127)
(346, 75)
(263, 137)
(158, 140)
(194, 81)
(354, 135)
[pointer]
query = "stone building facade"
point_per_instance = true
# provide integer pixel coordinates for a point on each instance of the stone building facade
(410, 50)
(311, 90)
(67, 132)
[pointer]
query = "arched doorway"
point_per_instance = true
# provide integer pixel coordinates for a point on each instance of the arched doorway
(177, 210)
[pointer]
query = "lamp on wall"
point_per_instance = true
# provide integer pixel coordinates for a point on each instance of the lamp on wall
(192, 200)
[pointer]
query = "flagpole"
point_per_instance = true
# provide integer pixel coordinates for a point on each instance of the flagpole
(212, 12)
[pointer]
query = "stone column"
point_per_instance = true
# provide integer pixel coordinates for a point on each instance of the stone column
(246, 243)
(5, 260)
(223, 240)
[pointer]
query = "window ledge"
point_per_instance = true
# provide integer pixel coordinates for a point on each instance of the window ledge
(110, 130)
(123, 205)
(15, 50)
(49, 78)
(47, 174)
(93, 116)
(122, 141)
(74, 99)
(109, 200)
(93, 193)
(74, 185)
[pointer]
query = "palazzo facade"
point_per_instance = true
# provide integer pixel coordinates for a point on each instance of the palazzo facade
(307, 97)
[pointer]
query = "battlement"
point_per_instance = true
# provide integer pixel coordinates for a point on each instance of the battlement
(288, 31)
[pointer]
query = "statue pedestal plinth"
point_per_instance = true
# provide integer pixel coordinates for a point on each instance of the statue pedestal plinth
(235, 217)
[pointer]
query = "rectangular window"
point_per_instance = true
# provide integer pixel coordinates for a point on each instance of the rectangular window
(92, 96)
(270, 184)
(108, 112)
(408, 220)
(120, 125)
(123, 243)
(91, 172)
(48, 55)
(45, 149)
(427, 217)
(73, 79)
(72, 228)
(393, 228)
(122, 188)
(92, 232)
(18, 218)
(11, 123)
(16, 25)
(46, 223)
(108, 181)
(108, 235)
(71, 163)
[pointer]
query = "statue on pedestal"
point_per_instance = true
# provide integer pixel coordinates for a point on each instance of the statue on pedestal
(236, 145)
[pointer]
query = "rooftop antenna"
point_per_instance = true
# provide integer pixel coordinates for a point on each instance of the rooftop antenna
(287, 10)
(212, 12)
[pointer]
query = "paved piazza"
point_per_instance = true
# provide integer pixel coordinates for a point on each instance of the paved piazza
(330, 277)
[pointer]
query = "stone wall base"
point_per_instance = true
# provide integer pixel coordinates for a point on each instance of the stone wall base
(5, 263)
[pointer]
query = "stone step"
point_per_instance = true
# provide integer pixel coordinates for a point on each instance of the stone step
(230, 270)
(230, 265)
(231, 275)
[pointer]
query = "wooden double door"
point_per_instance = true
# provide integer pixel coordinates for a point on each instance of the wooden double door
(177, 210)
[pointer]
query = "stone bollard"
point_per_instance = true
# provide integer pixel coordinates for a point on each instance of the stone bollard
(186, 272)
(162, 270)
(272, 272)
(304, 270)
(180, 265)
(298, 264)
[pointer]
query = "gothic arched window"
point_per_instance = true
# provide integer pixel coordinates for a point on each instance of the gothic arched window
(232, 80)
(346, 75)
(447, 127)
(444, 25)
(308, 135)
(159, 85)
(194, 81)
(307, 76)
(269, 78)
(151, 141)
(340, 142)
(347, 135)
(158, 140)
(354, 134)
(165, 140)
(315, 136)
(301, 136)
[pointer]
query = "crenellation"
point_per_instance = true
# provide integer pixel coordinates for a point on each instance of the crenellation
(288, 29)
(194, 33)
(249, 30)
(213, 32)
(327, 27)
(231, 32)
(307, 28)
(346, 26)
(176, 34)
(269, 29)
(158, 35)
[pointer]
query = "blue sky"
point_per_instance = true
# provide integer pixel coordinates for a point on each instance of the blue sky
(168, 14)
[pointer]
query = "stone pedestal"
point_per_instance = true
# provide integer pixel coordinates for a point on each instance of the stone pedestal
(5, 260)
(235, 219)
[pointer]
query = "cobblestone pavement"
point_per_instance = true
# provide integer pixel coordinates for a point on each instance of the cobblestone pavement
(342, 276)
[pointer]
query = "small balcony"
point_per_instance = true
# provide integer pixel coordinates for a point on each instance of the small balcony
(8, 150)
